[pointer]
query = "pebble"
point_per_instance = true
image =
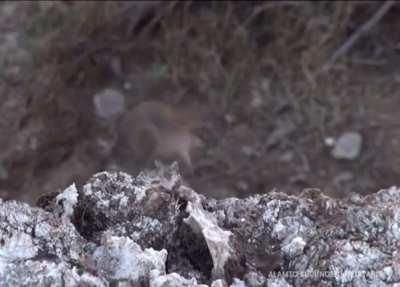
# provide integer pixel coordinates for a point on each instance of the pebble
(242, 185)
(286, 157)
(3, 171)
(343, 177)
(109, 104)
(230, 119)
(248, 150)
(348, 146)
(128, 86)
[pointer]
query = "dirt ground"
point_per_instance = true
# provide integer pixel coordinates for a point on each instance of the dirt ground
(265, 119)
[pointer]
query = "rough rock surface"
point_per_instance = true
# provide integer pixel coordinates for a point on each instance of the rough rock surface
(153, 230)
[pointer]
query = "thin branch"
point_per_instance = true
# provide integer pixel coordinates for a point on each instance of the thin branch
(357, 35)
(267, 6)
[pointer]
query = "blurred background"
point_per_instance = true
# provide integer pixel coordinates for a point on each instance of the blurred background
(247, 96)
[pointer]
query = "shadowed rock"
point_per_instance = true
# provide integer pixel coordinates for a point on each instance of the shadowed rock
(153, 230)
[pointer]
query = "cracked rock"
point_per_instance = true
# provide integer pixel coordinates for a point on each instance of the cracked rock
(154, 230)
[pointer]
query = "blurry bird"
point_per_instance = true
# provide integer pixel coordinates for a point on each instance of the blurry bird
(157, 131)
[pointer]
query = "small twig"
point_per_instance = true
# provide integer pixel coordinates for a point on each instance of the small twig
(356, 35)
(267, 6)
(158, 17)
(368, 62)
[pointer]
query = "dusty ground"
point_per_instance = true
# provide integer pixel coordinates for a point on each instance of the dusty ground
(266, 120)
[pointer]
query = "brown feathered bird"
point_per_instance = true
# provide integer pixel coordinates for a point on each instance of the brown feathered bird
(157, 131)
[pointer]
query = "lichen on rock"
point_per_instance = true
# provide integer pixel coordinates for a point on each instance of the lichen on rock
(154, 230)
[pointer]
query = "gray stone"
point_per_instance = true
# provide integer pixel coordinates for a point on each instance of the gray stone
(124, 260)
(343, 177)
(238, 283)
(205, 224)
(172, 280)
(109, 104)
(348, 146)
(118, 231)
(219, 283)
(3, 171)
(255, 279)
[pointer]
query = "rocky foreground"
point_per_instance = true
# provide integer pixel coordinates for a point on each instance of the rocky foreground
(153, 230)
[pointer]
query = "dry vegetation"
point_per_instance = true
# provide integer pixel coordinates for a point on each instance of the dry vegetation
(211, 51)
(257, 63)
